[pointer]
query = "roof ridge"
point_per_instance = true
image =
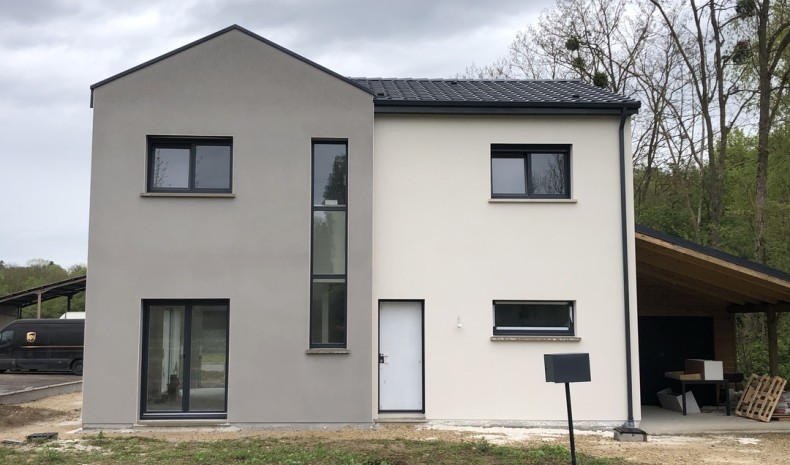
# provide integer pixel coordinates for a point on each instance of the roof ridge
(214, 35)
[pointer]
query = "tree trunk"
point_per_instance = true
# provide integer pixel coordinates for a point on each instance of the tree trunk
(763, 132)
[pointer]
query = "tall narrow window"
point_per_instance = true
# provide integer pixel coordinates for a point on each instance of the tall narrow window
(185, 358)
(328, 253)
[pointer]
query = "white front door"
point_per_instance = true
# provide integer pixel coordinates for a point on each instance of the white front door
(401, 356)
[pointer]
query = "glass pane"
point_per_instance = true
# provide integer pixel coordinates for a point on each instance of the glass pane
(7, 336)
(329, 242)
(208, 358)
(328, 312)
(329, 174)
(533, 316)
(212, 167)
(165, 354)
(507, 176)
(171, 168)
(547, 174)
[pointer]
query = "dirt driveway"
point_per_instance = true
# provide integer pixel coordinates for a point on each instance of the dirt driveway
(62, 414)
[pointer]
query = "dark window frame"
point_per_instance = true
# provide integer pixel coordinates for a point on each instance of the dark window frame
(525, 152)
(184, 413)
(191, 143)
(318, 277)
(570, 330)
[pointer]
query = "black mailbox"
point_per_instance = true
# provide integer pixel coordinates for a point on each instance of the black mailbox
(567, 368)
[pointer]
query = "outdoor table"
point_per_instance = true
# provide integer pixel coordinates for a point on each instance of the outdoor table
(717, 382)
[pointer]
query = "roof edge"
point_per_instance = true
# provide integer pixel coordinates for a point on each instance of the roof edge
(234, 27)
(492, 108)
(716, 253)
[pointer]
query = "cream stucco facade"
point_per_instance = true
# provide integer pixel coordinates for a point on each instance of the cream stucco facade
(439, 237)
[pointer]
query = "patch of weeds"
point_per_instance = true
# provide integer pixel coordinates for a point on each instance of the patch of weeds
(51, 455)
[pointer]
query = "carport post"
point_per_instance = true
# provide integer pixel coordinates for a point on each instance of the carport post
(38, 305)
(773, 348)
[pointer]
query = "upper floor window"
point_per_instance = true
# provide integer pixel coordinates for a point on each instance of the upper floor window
(189, 164)
(530, 171)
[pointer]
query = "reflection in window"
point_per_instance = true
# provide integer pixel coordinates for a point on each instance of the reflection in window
(185, 358)
(329, 174)
(530, 171)
(328, 252)
(329, 242)
(328, 312)
(533, 317)
(189, 165)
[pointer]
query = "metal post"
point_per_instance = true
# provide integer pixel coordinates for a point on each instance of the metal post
(68, 303)
(38, 305)
(570, 422)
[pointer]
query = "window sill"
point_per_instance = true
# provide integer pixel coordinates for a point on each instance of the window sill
(211, 195)
(536, 339)
(532, 200)
(327, 351)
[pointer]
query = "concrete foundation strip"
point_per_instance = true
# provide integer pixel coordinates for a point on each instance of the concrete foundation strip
(31, 394)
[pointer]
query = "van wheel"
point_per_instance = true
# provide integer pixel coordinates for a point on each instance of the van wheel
(76, 367)
(2, 371)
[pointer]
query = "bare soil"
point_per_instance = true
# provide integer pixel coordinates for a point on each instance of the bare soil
(61, 414)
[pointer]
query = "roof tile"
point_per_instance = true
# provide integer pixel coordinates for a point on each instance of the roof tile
(511, 92)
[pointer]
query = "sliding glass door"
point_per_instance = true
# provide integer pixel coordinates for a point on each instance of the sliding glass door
(185, 359)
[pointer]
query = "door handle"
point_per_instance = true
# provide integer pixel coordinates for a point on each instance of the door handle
(383, 358)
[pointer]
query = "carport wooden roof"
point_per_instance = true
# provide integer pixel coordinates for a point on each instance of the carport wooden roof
(745, 285)
(738, 284)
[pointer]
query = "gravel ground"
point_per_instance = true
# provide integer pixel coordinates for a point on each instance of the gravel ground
(61, 414)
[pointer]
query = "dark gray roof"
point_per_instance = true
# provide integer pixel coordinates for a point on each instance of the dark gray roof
(494, 96)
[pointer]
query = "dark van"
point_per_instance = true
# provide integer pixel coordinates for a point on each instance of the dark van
(42, 345)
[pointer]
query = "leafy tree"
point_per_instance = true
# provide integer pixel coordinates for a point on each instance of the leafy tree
(38, 272)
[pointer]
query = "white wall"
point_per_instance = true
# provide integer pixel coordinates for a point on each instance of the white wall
(437, 237)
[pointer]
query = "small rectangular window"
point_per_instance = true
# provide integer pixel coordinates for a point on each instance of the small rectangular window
(189, 164)
(533, 317)
(530, 171)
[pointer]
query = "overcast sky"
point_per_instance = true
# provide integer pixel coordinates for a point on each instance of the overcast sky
(51, 51)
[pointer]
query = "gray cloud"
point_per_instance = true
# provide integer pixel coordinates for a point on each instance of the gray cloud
(53, 50)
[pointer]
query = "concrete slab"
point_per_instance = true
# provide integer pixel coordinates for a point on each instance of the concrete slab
(658, 421)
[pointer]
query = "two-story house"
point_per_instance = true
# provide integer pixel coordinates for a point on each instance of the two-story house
(273, 243)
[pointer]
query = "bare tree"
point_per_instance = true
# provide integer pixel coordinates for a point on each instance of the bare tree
(770, 23)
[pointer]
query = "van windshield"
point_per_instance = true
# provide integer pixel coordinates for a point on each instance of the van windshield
(6, 336)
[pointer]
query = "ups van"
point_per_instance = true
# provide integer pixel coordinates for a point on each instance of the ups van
(42, 345)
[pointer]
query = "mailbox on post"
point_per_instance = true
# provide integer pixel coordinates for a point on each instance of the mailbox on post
(568, 368)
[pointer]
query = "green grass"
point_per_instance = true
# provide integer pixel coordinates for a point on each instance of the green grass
(292, 451)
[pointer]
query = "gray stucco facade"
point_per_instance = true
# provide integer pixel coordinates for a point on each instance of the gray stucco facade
(250, 247)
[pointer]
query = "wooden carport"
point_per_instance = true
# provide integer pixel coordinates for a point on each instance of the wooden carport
(680, 278)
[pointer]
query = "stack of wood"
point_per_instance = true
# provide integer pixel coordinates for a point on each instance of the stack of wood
(761, 397)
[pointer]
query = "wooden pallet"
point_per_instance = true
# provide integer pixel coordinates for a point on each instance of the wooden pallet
(760, 397)
(781, 417)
